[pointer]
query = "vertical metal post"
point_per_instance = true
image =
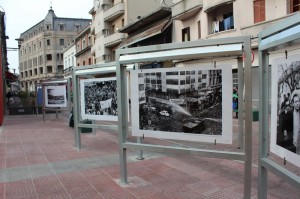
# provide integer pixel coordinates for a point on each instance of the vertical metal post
(93, 129)
(241, 102)
(43, 106)
(248, 119)
(263, 122)
(140, 152)
(69, 106)
(76, 111)
(36, 97)
(122, 118)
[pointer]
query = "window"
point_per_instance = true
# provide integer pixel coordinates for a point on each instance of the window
(113, 28)
(34, 47)
(294, 5)
(61, 27)
(48, 42)
(83, 44)
(49, 69)
(83, 63)
(41, 70)
(49, 57)
(48, 27)
(90, 61)
(186, 34)
(77, 27)
(72, 60)
(220, 19)
(61, 42)
(259, 11)
(40, 44)
(123, 23)
(199, 29)
(60, 69)
(105, 32)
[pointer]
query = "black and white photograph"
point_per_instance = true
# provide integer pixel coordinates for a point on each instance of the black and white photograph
(99, 99)
(55, 96)
(286, 106)
(182, 103)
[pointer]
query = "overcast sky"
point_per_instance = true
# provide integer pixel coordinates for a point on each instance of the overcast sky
(20, 15)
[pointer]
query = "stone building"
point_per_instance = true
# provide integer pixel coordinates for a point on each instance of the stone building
(41, 48)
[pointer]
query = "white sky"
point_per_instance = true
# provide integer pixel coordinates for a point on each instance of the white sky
(20, 15)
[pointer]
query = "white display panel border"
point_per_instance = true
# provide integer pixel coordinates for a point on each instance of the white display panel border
(59, 90)
(112, 116)
(285, 64)
(226, 118)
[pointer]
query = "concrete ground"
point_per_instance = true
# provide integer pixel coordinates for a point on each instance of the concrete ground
(38, 160)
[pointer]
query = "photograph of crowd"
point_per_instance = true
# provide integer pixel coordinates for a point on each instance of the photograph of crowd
(55, 96)
(181, 102)
(288, 106)
(99, 99)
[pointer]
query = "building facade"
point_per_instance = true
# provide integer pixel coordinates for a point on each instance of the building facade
(69, 52)
(41, 48)
(83, 47)
(211, 19)
(108, 16)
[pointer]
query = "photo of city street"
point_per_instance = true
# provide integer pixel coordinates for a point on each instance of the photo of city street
(55, 96)
(188, 101)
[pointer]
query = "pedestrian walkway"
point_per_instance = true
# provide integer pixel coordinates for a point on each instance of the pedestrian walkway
(38, 160)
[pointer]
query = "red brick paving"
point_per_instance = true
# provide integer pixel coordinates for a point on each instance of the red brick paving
(28, 141)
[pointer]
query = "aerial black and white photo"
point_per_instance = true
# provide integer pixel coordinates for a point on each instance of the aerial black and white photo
(181, 103)
(286, 107)
(55, 96)
(99, 99)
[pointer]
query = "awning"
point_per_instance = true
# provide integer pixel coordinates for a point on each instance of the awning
(154, 30)
(210, 5)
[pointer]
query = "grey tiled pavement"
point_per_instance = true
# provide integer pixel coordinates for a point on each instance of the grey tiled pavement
(38, 160)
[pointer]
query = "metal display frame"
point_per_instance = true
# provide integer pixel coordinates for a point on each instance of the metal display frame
(36, 105)
(232, 46)
(56, 83)
(284, 33)
(86, 72)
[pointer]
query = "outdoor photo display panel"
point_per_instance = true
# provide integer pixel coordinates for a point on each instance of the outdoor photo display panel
(185, 103)
(56, 96)
(285, 113)
(99, 99)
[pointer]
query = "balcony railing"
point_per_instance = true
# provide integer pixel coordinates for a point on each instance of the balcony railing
(114, 39)
(114, 12)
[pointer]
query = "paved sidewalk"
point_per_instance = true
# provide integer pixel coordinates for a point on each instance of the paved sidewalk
(38, 160)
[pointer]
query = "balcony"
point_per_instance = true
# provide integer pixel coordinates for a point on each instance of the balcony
(114, 12)
(105, 2)
(114, 39)
(184, 9)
